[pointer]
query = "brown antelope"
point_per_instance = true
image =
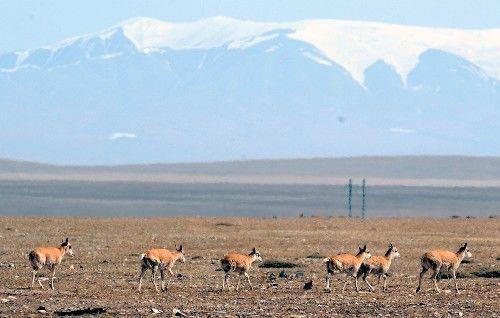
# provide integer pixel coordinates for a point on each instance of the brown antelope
(49, 256)
(439, 260)
(162, 259)
(239, 263)
(346, 263)
(379, 266)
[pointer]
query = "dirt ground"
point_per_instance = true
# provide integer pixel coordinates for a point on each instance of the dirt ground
(104, 271)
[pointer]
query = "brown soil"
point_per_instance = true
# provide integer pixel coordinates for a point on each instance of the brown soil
(106, 266)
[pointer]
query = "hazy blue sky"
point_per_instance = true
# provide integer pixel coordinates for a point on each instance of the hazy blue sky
(29, 24)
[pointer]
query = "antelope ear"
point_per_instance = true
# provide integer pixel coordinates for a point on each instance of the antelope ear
(390, 245)
(364, 248)
(67, 239)
(254, 250)
(465, 245)
(180, 249)
(359, 247)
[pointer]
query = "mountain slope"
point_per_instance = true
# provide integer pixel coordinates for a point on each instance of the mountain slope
(219, 88)
(353, 44)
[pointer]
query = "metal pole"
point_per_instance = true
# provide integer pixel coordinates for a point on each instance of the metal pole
(349, 197)
(363, 199)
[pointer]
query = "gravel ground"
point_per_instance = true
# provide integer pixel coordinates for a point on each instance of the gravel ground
(104, 271)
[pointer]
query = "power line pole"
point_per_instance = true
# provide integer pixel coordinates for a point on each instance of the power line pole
(363, 199)
(349, 197)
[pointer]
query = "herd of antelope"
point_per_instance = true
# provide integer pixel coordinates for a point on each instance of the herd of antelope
(355, 266)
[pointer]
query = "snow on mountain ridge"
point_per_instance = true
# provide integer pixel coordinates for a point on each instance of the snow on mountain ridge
(201, 34)
(355, 45)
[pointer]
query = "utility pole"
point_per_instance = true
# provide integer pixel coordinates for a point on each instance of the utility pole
(363, 199)
(349, 197)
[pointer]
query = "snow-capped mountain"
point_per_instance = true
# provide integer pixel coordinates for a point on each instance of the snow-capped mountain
(221, 88)
(354, 45)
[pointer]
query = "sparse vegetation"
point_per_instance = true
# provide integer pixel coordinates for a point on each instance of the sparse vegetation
(487, 273)
(278, 264)
(446, 275)
(80, 312)
(316, 255)
(84, 281)
(225, 224)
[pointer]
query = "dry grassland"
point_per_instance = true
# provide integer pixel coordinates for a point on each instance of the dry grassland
(106, 266)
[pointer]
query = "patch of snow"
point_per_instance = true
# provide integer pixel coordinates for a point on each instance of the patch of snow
(246, 43)
(206, 33)
(477, 71)
(17, 68)
(121, 135)
(272, 48)
(65, 65)
(110, 56)
(317, 59)
(104, 35)
(149, 50)
(402, 130)
(21, 56)
(202, 62)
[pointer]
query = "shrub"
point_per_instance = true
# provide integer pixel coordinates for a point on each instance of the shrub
(485, 273)
(225, 224)
(315, 255)
(459, 275)
(278, 264)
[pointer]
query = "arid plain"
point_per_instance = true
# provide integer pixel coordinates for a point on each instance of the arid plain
(104, 272)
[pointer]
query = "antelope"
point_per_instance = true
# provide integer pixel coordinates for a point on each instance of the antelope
(238, 263)
(379, 266)
(440, 259)
(346, 263)
(49, 256)
(162, 259)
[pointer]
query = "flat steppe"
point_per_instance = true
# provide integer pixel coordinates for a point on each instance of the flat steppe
(437, 171)
(411, 186)
(105, 268)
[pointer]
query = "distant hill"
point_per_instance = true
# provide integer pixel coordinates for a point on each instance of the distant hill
(404, 170)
